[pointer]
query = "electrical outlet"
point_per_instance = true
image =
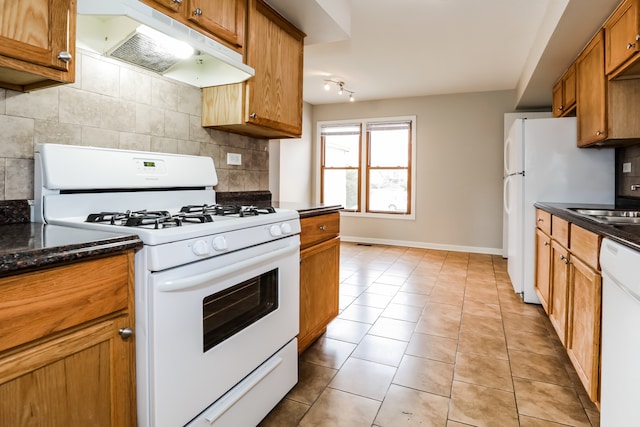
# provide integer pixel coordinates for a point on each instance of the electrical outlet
(234, 159)
(626, 167)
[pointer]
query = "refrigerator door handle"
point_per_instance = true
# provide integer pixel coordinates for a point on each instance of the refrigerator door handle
(507, 145)
(505, 198)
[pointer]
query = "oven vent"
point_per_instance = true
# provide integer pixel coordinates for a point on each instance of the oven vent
(140, 49)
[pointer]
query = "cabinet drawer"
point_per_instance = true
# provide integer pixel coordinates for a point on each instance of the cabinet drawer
(319, 228)
(585, 245)
(543, 221)
(560, 231)
(34, 305)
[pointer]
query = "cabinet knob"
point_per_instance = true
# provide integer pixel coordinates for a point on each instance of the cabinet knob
(253, 115)
(126, 333)
(177, 1)
(631, 45)
(599, 132)
(323, 227)
(546, 243)
(64, 56)
(540, 219)
(560, 108)
(564, 259)
(197, 12)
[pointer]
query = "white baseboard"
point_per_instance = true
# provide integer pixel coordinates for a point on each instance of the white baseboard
(422, 245)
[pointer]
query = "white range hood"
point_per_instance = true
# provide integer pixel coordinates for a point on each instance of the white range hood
(109, 28)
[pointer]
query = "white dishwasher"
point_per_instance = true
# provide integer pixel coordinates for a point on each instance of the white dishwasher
(620, 374)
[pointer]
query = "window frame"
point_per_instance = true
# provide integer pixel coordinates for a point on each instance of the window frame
(363, 169)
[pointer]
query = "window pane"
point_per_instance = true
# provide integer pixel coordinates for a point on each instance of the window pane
(389, 147)
(341, 188)
(388, 190)
(341, 150)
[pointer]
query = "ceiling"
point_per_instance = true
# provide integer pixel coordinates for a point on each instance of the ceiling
(385, 49)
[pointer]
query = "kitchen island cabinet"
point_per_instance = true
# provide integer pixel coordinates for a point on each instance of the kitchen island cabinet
(224, 20)
(66, 346)
(319, 275)
(37, 43)
(66, 303)
(268, 105)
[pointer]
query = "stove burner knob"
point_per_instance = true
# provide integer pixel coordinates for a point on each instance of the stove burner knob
(275, 231)
(285, 227)
(200, 248)
(220, 243)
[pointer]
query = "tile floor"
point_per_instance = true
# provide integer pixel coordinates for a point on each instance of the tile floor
(433, 338)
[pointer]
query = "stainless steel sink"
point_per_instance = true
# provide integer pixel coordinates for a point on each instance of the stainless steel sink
(611, 216)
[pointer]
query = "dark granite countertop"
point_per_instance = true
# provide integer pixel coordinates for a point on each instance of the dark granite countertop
(628, 235)
(30, 246)
(308, 209)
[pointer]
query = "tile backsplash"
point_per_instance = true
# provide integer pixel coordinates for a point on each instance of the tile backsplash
(629, 155)
(113, 104)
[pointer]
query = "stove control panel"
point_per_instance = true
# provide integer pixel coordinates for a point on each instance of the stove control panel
(164, 256)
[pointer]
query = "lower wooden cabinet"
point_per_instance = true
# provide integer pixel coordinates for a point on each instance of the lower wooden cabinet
(569, 284)
(79, 373)
(583, 343)
(319, 276)
(542, 283)
(559, 289)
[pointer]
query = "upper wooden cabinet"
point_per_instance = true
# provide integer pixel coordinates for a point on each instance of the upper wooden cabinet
(268, 105)
(591, 93)
(37, 43)
(564, 94)
(224, 20)
(622, 35)
(608, 111)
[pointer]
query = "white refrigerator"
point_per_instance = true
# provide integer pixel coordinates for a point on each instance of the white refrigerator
(543, 164)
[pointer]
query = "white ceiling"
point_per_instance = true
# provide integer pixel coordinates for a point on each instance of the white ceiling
(399, 48)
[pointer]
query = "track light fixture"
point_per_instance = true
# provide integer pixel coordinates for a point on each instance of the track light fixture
(341, 88)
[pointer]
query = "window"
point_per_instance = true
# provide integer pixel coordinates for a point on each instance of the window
(366, 166)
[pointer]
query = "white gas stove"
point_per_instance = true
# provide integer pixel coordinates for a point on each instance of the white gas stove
(217, 287)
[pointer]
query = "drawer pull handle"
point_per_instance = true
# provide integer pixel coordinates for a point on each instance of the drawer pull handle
(323, 227)
(126, 333)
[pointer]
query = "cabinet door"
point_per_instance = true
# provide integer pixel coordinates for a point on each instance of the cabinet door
(592, 93)
(569, 88)
(621, 32)
(583, 343)
(556, 100)
(171, 5)
(223, 18)
(319, 281)
(37, 31)
(275, 50)
(84, 378)
(543, 268)
(559, 289)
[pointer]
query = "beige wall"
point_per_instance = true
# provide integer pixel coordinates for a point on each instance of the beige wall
(459, 171)
(112, 104)
(291, 163)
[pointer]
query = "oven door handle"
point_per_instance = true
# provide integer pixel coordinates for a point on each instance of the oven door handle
(186, 283)
(227, 401)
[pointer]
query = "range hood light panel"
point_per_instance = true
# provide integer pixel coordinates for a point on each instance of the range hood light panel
(179, 48)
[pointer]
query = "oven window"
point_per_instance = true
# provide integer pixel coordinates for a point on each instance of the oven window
(228, 312)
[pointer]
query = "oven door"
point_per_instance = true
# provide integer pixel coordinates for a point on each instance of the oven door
(213, 322)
